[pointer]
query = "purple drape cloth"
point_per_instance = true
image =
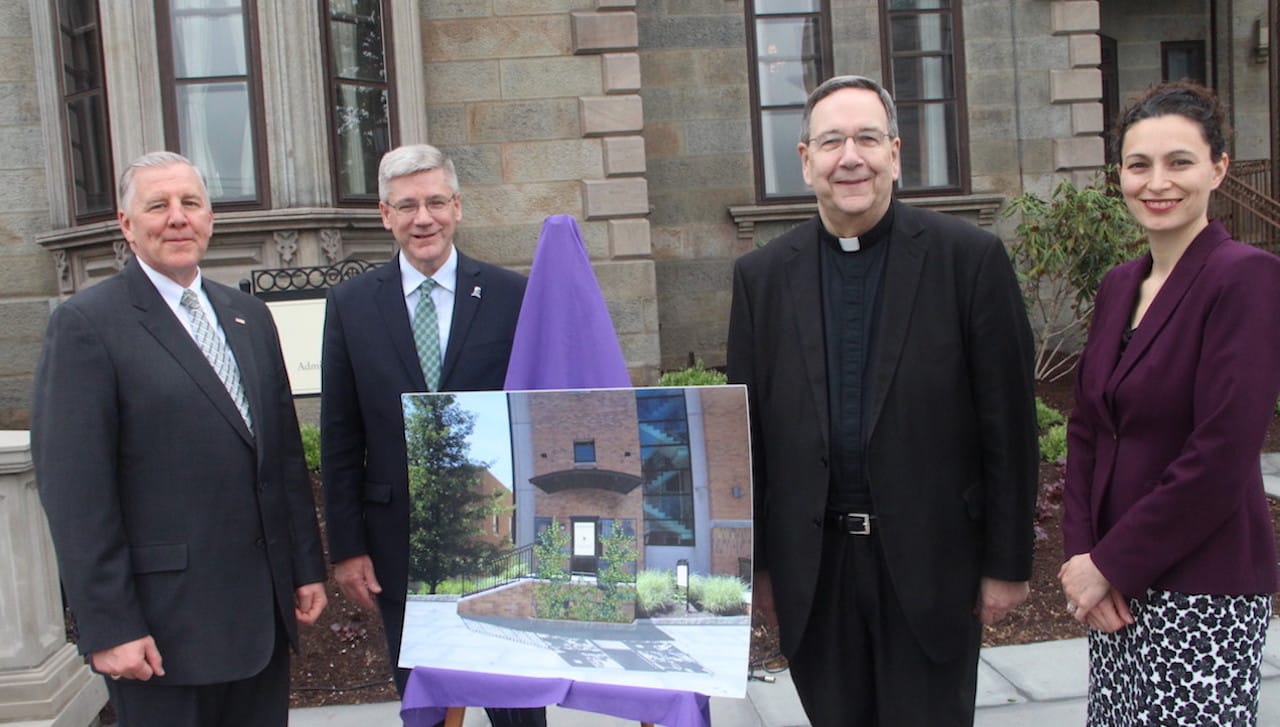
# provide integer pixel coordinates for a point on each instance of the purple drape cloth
(431, 691)
(564, 337)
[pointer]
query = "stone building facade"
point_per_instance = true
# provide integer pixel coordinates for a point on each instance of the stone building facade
(655, 122)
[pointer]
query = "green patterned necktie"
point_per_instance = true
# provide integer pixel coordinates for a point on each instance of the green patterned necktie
(426, 335)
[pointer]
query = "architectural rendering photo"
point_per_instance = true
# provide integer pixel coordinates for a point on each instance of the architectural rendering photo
(601, 535)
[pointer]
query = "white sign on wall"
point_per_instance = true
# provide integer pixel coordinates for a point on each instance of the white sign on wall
(301, 326)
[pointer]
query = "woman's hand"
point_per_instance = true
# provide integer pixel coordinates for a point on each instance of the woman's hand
(1090, 597)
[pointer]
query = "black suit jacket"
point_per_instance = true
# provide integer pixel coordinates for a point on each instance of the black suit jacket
(950, 433)
(369, 360)
(167, 516)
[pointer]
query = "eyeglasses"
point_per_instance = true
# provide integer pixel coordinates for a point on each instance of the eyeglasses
(834, 141)
(435, 205)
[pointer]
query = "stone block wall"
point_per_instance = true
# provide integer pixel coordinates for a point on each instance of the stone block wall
(27, 278)
(697, 134)
(538, 102)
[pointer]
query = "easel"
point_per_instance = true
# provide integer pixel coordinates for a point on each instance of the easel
(455, 715)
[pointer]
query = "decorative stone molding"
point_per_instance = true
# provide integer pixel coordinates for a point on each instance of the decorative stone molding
(241, 241)
(615, 197)
(602, 115)
(331, 244)
(63, 267)
(286, 242)
(602, 32)
(621, 72)
(122, 253)
(1075, 84)
(1074, 16)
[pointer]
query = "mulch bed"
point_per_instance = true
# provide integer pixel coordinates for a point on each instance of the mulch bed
(344, 659)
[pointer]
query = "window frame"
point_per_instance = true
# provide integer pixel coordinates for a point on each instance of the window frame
(1195, 48)
(331, 82)
(959, 97)
(687, 491)
(65, 99)
(825, 71)
(584, 443)
(253, 80)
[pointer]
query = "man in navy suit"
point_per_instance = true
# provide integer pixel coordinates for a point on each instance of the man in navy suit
(382, 339)
(887, 356)
(168, 459)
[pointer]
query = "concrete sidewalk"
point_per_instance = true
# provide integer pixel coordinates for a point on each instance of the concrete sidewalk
(1040, 684)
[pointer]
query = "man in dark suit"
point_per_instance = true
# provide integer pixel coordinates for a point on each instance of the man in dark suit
(431, 319)
(168, 460)
(889, 363)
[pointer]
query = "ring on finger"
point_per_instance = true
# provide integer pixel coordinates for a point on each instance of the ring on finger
(1071, 607)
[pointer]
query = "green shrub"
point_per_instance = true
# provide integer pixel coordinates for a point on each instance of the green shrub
(1047, 416)
(311, 446)
(655, 590)
(1053, 443)
(695, 375)
(1065, 245)
(721, 595)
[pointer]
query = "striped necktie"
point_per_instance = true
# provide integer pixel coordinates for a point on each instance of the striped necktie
(426, 335)
(215, 350)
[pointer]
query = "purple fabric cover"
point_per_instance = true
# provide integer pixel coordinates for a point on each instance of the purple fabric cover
(431, 691)
(564, 338)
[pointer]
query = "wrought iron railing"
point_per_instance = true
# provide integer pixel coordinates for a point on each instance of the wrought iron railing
(508, 567)
(302, 282)
(1247, 207)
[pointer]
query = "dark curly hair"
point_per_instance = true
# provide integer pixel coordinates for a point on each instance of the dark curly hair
(1182, 98)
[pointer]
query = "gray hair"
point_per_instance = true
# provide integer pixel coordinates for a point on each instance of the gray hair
(837, 83)
(154, 160)
(411, 159)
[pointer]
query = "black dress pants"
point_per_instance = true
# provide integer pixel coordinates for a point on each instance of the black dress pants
(859, 664)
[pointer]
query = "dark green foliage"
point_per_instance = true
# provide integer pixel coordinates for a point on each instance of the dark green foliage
(311, 446)
(695, 375)
(1064, 248)
(556, 597)
(446, 508)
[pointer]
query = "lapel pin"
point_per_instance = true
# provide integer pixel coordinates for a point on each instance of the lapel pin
(475, 292)
(240, 321)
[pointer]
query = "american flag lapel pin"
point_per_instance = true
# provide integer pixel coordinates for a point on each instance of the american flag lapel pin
(475, 292)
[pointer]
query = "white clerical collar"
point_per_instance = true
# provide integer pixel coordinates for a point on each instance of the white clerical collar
(849, 244)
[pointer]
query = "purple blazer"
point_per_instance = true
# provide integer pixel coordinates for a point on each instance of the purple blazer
(1164, 484)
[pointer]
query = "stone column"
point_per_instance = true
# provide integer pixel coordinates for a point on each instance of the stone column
(43, 681)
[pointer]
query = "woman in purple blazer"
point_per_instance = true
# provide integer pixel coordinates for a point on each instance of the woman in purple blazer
(1170, 553)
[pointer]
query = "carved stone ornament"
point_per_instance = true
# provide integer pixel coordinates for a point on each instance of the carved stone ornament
(286, 245)
(331, 244)
(123, 253)
(63, 266)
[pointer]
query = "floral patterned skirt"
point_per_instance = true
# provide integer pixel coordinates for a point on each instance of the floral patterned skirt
(1187, 660)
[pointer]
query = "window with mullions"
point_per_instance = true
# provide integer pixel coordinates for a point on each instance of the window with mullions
(789, 42)
(665, 467)
(925, 62)
(212, 101)
(359, 91)
(84, 109)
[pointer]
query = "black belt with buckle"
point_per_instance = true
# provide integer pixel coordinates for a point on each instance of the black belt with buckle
(852, 523)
